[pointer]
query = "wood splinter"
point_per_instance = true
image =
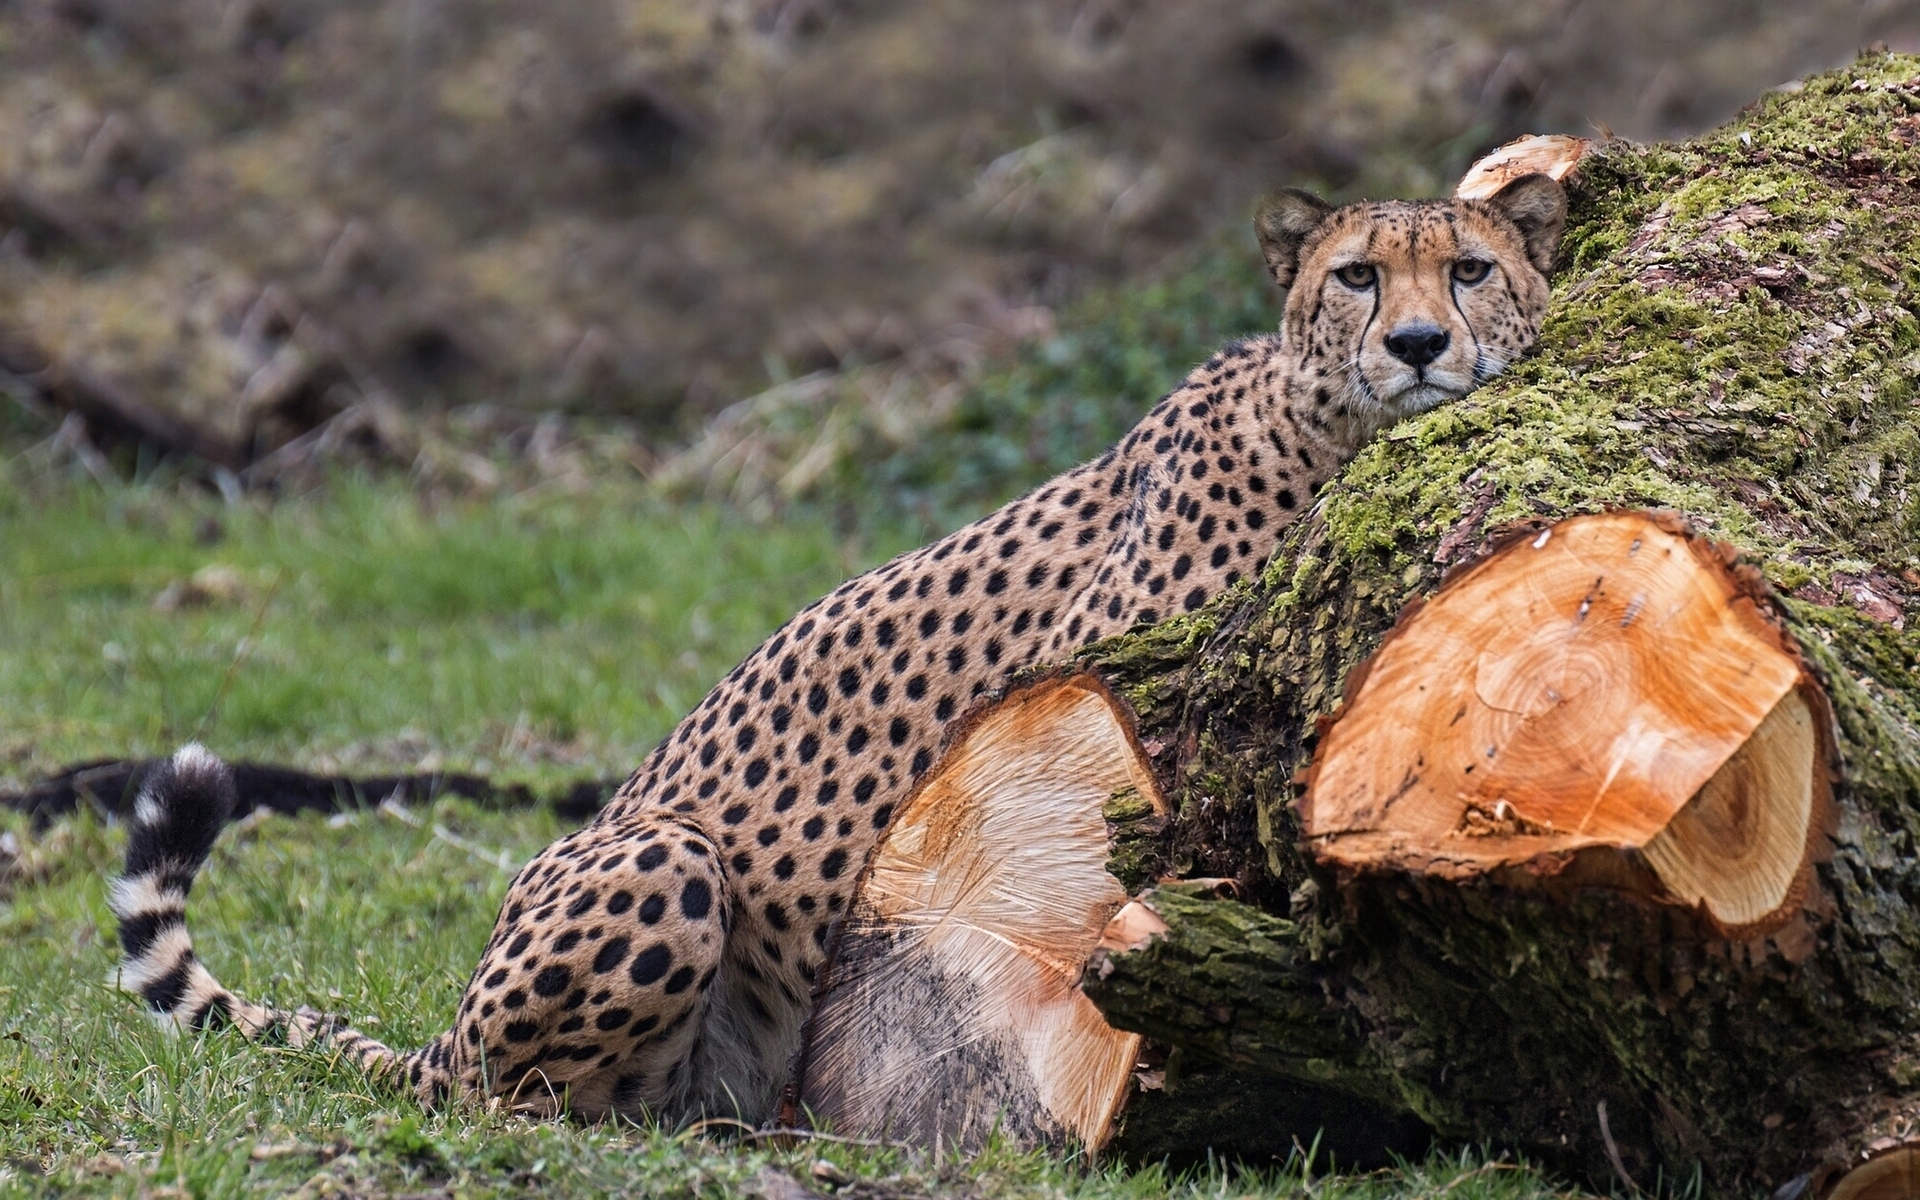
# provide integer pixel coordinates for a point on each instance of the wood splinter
(1606, 701)
(950, 1006)
(1556, 155)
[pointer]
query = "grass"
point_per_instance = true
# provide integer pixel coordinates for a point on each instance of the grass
(535, 637)
(373, 917)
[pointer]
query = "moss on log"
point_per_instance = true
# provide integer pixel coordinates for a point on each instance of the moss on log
(1225, 953)
(1734, 338)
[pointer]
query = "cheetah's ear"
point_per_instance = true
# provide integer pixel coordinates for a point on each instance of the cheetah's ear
(1282, 224)
(1537, 205)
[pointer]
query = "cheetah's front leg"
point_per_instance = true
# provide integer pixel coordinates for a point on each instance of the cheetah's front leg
(592, 995)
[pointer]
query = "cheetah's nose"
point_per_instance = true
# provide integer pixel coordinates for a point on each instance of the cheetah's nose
(1417, 345)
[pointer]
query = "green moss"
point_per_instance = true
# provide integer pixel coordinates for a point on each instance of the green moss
(1247, 978)
(1133, 826)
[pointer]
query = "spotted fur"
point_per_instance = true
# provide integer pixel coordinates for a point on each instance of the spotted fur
(660, 960)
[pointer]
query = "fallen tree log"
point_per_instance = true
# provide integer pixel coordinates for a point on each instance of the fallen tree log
(1610, 854)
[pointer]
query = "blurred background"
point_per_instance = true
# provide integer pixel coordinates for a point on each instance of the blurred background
(457, 217)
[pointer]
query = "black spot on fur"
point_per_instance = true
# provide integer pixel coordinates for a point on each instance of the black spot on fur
(611, 955)
(696, 899)
(650, 964)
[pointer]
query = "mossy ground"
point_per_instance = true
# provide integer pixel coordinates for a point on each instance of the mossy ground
(627, 207)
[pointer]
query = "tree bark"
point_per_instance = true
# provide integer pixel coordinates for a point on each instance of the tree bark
(1732, 340)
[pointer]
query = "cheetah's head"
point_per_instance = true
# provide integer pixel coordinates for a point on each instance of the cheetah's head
(1396, 307)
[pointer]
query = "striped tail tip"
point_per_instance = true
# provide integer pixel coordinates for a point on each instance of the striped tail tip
(176, 818)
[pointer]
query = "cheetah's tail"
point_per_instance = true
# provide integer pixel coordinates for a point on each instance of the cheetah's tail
(178, 815)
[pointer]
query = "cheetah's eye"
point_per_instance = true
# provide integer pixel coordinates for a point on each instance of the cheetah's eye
(1471, 270)
(1356, 275)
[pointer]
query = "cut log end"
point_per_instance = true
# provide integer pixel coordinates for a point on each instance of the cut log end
(1737, 847)
(1132, 928)
(1891, 1173)
(950, 1006)
(1608, 685)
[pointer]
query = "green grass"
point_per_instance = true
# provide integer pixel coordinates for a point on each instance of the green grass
(381, 920)
(535, 637)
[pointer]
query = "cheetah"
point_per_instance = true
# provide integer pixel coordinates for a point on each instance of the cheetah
(659, 961)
